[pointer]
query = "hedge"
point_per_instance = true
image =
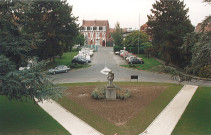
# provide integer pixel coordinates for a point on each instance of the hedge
(133, 50)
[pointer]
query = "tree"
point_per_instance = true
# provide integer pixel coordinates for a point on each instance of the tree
(55, 22)
(79, 39)
(16, 46)
(132, 39)
(208, 1)
(168, 24)
(117, 35)
(197, 47)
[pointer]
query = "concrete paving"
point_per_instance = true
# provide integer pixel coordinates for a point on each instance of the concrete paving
(166, 121)
(106, 58)
(70, 122)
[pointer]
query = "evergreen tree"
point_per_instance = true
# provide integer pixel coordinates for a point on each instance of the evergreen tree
(16, 46)
(168, 24)
(55, 22)
(117, 35)
(197, 49)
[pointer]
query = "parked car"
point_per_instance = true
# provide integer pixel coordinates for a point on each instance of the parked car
(124, 53)
(136, 61)
(116, 53)
(29, 65)
(127, 55)
(59, 69)
(85, 57)
(130, 58)
(78, 60)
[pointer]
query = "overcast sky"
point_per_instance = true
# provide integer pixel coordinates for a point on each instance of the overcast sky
(126, 12)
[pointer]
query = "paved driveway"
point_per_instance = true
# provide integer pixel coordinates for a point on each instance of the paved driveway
(106, 58)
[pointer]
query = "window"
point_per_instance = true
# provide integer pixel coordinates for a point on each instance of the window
(94, 28)
(100, 28)
(82, 28)
(88, 28)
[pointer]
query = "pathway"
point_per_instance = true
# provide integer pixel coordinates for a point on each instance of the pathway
(71, 123)
(166, 121)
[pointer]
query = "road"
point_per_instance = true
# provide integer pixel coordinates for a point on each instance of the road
(106, 58)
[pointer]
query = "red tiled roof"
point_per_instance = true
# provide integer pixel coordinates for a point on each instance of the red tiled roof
(95, 23)
(144, 26)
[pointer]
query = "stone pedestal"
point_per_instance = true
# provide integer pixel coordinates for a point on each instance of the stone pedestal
(111, 93)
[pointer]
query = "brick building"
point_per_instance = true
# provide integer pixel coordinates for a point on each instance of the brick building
(96, 32)
(144, 28)
(206, 28)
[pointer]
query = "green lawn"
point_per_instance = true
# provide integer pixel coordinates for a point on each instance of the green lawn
(137, 125)
(196, 119)
(66, 60)
(26, 118)
(149, 63)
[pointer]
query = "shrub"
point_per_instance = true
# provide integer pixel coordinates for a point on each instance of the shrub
(133, 50)
(205, 71)
(100, 93)
(122, 94)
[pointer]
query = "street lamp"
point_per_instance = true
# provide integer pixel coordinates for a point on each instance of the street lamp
(138, 33)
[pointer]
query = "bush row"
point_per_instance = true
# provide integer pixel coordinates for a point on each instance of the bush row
(100, 93)
(133, 50)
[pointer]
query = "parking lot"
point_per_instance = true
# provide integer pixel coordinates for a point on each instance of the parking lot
(105, 57)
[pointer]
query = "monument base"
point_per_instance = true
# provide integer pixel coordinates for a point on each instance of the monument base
(111, 93)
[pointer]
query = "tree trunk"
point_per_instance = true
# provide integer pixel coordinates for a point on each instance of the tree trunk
(53, 59)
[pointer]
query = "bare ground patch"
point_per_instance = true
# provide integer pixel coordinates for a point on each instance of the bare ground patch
(118, 112)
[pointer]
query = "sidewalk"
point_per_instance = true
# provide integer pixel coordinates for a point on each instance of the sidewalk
(71, 123)
(166, 121)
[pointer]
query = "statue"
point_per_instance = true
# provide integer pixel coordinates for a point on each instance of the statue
(110, 78)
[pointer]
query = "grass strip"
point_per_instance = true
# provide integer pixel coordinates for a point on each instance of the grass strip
(26, 118)
(66, 59)
(196, 120)
(149, 63)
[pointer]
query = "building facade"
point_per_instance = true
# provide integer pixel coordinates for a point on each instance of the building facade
(207, 28)
(96, 32)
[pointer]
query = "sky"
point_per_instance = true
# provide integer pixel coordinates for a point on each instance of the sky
(127, 12)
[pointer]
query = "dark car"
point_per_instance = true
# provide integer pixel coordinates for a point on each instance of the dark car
(79, 61)
(136, 61)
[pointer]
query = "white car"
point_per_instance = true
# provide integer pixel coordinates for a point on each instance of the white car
(130, 57)
(117, 52)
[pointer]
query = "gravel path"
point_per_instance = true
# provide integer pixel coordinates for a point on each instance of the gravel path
(166, 121)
